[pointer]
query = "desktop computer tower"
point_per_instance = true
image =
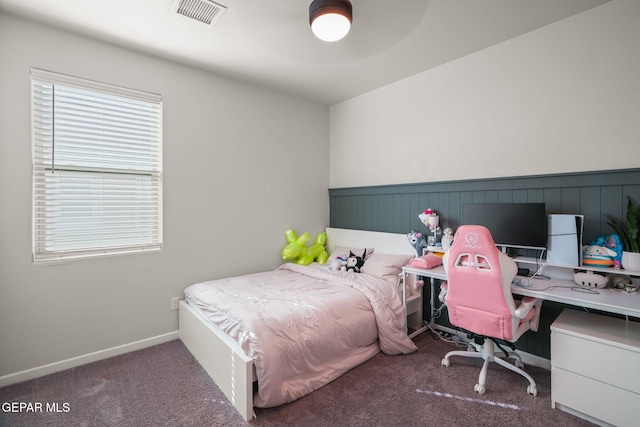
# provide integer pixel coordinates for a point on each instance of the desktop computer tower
(564, 244)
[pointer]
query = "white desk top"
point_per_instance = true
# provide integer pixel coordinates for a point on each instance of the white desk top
(558, 290)
(435, 272)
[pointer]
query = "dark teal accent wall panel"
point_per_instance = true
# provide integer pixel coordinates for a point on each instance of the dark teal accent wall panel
(395, 209)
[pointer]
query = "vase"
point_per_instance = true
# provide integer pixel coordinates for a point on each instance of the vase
(631, 261)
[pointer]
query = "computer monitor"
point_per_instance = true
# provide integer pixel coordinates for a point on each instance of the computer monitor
(520, 225)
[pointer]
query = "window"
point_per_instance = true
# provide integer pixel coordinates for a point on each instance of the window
(97, 168)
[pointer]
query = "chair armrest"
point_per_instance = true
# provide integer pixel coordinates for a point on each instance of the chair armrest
(526, 304)
(444, 288)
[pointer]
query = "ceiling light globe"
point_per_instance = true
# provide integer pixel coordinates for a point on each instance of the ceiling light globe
(331, 27)
(330, 20)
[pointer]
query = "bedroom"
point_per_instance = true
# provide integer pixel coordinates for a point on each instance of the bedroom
(569, 92)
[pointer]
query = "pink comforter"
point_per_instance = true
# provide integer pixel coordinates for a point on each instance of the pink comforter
(304, 325)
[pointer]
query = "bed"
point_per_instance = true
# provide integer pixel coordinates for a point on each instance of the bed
(341, 320)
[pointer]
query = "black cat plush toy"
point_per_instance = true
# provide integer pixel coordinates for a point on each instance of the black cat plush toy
(354, 263)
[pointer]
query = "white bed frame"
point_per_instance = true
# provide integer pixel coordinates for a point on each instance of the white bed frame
(222, 357)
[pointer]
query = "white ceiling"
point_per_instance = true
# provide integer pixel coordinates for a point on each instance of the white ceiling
(269, 42)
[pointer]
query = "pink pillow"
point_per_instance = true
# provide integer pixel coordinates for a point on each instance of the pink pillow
(426, 261)
(385, 266)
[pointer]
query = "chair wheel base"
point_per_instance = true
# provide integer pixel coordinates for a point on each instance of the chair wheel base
(445, 362)
(479, 388)
(532, 390)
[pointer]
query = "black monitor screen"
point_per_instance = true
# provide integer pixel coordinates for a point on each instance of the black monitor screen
(510, 224)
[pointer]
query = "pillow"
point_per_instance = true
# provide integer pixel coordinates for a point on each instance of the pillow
(386, 266)
(426, 261)
(344, 250)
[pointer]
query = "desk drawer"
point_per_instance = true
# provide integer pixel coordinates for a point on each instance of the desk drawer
(599, 347)
(601, 361)
(596, 399)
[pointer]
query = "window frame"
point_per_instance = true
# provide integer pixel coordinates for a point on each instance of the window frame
(139, 173)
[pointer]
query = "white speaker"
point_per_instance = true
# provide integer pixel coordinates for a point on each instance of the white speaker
(564, 244)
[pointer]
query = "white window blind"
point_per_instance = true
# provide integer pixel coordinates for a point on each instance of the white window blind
(97, 168)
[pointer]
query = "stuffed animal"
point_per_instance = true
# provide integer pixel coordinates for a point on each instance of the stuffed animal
(338, 262)
(614, 243)
(417, 240)
(430, 218)
(354, 262)
(598, 256)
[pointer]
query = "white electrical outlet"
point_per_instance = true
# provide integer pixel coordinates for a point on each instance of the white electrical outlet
(174, 303)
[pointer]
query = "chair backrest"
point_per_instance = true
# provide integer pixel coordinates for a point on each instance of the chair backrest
(479, 279)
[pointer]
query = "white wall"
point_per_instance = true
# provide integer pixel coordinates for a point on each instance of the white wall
(241, 165)
(563, 98)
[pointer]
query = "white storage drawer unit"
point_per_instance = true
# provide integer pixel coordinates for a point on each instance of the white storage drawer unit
(595, 365)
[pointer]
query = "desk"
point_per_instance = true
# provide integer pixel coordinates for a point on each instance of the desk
(608, 300)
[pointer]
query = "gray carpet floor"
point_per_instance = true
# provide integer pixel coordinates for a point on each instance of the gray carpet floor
(165, 386)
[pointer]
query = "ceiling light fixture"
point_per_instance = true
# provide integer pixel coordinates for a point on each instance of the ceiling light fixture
(330, 20)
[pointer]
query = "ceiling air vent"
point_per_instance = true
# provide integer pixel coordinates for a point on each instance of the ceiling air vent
(205, 11)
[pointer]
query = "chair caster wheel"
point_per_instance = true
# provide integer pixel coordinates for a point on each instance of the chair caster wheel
(445, 362)
(532, 390)
(519, 364)
(479, 388)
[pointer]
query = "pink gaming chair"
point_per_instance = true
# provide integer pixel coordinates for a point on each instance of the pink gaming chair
(478, 298)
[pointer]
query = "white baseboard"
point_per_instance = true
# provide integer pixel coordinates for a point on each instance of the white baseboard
(51, 368)
(534, 360)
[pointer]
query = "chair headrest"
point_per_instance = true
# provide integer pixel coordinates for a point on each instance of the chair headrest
(474, 238)
(473, 247)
